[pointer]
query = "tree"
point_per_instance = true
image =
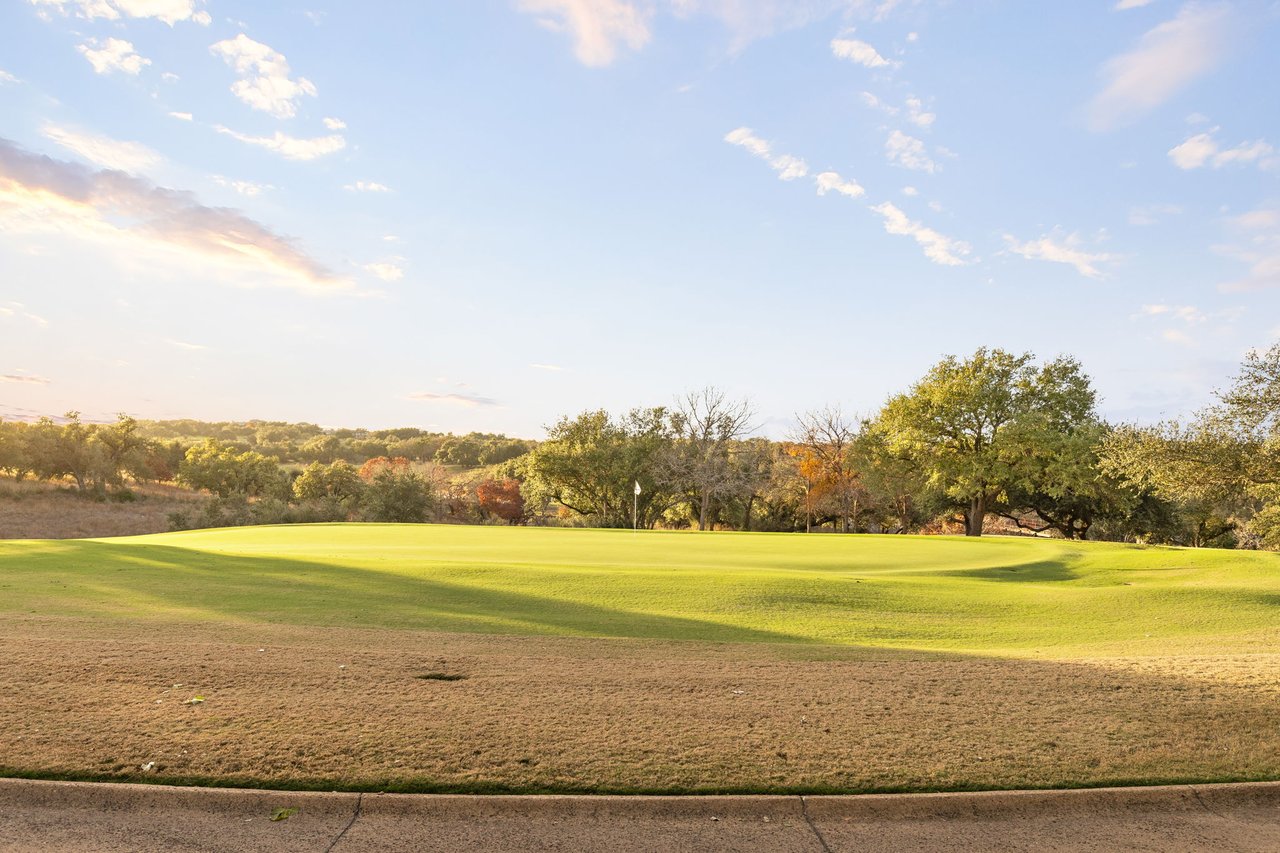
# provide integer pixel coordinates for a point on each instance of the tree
(1222, 469)
(590, 463)
(218, 468)
(700, 459)
(972, 425)
(823, 441)
(501, 498)
(336, 486)
(397, 495)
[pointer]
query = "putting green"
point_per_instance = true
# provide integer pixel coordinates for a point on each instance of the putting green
(1002, 596)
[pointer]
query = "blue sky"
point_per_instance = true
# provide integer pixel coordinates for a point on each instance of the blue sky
(485, 215)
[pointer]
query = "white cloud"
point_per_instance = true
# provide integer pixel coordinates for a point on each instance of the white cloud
(6, 77)
(468, 400)
(264, 82)
(597, 27)
(1060, 250)
(935, 206)
(182, 116)
(917, 115)
(1152, 213)
(186, 345)
(860, 52)
(334, 123)
(24, 378)
(386, 272)
(1259, 248)
(1166, 59)
(1203, 150)
(290, 147)
(367, 187)
(17, 309)
(113, 55)
(832, 182)
(937, 247)
(136, 219)
(102, 150)
(168, 11)
(245, 188)
(909, 152)
(788, 167)
(910, 191)
(1130, 4)
(1177, 336)
(555, 368)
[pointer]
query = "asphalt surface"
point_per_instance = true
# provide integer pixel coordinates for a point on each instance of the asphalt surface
(74, 816)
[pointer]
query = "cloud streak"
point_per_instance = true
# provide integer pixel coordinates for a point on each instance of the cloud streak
(1166, 59)
(937, 247)
(788, 167)
(599, 28)
(290, 147)
(469, 401)
(102, 150)
(43, 195)
(1060, 251)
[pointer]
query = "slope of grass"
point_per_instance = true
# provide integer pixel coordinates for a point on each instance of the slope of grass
(1009, 597)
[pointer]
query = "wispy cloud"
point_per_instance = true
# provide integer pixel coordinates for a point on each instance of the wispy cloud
(367, 187)
(1130, 4)
(1259, 247)
(131, 215)
(555, 368)
(245, 188)
(788, 167)
(1060, 250)
(467, 400)
(1165, 60)
(186, 345)
(17, 309)
(937, 247)
(385, 271)
(23, 378)
(1203, 150)
(264, 82)
(113, 55)
(334, 123)
(860, 52)
(167, 11)
(1150, 214)
(832, 182)
(103, 150)
(6, 77)
(181, 116)
(290, 147)
(598, 27)
(909, 153)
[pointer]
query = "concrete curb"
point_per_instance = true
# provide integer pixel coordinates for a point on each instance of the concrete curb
(120, 816)
(986, 804)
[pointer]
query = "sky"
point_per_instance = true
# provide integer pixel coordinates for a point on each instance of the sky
(487, 215)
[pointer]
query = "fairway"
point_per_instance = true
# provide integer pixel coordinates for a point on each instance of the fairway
(620, 660)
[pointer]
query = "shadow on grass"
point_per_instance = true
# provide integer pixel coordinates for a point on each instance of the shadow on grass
(1043, 571)
(103, 578)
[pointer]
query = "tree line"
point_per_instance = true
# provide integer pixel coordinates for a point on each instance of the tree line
(994, 442)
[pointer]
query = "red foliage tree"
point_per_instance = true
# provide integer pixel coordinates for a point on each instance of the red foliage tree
(502, 498)
(378, 464)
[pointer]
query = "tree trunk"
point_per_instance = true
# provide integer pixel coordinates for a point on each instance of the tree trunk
(703, 511)
(977, 513)
(746, 514)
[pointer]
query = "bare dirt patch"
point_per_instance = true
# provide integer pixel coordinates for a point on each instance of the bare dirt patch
(341, 708)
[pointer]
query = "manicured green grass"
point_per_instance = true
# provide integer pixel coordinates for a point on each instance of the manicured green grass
(1003, 596)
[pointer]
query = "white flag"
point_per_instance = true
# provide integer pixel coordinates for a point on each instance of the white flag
(637, 487)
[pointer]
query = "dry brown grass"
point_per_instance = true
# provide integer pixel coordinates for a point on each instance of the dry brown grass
(347, 708)
(47, 511)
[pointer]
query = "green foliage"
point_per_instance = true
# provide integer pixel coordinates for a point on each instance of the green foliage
(218, 468)
(397, 495)
(982, 426)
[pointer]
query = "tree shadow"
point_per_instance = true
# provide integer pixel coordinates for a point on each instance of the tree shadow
(1043, 571)
(158, 580)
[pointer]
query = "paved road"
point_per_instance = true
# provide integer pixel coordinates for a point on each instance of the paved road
(87, 817)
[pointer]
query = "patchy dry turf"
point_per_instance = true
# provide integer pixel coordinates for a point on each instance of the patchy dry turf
(348, 708)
